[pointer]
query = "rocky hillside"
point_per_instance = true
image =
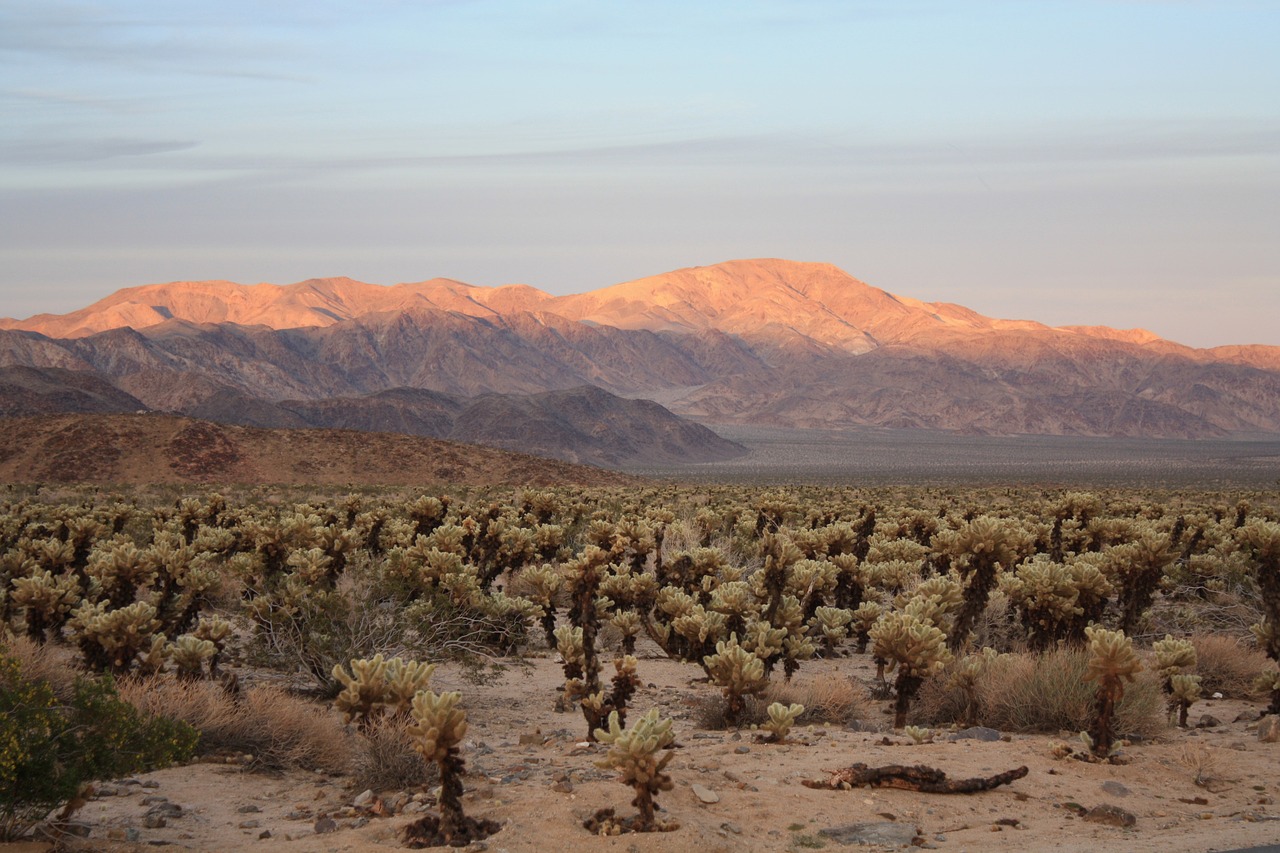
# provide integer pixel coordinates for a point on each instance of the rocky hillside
(764, 342)
(151, 448)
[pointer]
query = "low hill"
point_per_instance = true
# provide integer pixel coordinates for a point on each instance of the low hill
(152, 448)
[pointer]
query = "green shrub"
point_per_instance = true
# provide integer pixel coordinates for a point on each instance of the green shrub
(50, 750)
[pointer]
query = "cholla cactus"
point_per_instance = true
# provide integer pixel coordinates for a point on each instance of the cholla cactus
(1172, 656)
(1261, 541)
(966, 674)
(781, 719)
(112, 639)
(638, 754)
(363, 689)
(404, 679)
(156, 656)
(189, 654)
(1269, 682)
(1045, 595)
(864, 617)
(437, 729)
(217, 631)
(833, 625)
(918, 734)
(1112, 662)
(598, 706)
(46, 599)
(569, 644)
(915, 648)
(542, 583)
(1139, 566)
(1184, 690)
(628, 622)
(978, 550)
(738, 672)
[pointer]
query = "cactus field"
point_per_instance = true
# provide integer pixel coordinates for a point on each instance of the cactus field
(642, 667)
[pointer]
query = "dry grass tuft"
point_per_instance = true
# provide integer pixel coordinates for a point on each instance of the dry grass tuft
(1202, 762)
(53, 664)
(385, 759)
(1042, 693)
(1227, 665)
(278, 729)
(828, 698)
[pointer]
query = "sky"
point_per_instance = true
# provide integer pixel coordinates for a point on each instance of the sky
(1111, 162)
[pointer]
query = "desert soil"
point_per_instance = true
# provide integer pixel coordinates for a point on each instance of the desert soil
(529, 769)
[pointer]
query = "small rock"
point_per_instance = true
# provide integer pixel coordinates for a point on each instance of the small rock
(154, 821)
(741, 750)
(562, 785)
(363, 799)
(151, 783)
(1115, 789)
(397, 803)
(106, 791)
(251, 824)
(116, 834)
(166, 809)
(1109, 815)
(705, 794)
(1216, 696)
(732, 828)
(886, 834)
(1208, 721)
(265, 834)
(150, 801)
(1269, 729)
(325, 824)
(981, 733)
(297, 815)
(534, 739)
(250, 809)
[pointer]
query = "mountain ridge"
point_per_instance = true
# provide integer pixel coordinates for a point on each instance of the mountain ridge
(763, 341)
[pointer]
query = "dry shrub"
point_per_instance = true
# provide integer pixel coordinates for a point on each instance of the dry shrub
(827, 698)
(1227, 665)
(1042, 693)
(997, 626)
(385, 759)
(280, 730)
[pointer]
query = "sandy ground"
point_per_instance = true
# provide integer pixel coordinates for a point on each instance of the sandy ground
(761, 803)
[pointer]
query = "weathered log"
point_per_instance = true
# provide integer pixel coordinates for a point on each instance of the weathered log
(927, 780)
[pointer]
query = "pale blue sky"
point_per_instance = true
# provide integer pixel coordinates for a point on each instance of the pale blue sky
(1089, 161)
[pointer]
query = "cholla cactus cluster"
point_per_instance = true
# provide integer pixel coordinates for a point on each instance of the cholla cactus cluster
(747, 585)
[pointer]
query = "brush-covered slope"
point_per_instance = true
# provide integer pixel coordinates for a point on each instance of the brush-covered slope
(165, 449)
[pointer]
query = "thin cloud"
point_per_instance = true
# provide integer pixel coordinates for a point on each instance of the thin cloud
(47, 151)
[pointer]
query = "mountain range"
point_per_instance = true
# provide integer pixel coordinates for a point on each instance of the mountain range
(768, 342)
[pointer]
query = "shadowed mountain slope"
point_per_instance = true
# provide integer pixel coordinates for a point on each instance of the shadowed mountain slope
(164, 449)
